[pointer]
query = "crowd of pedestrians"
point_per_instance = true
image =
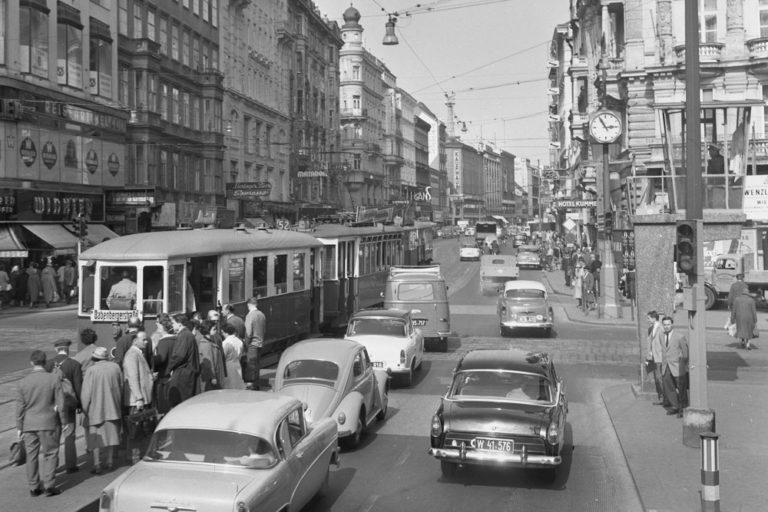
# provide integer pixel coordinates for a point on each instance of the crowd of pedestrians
(144, 373)
(40, 283)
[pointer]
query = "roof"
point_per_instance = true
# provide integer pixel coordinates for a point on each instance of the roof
(420, 272)
(162, 245)
(524, 285)
(324, 349)
(341, 231)
(250, 412)
(510, 360)
(381, 313)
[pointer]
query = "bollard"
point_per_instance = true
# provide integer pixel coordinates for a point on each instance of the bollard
(710, 472)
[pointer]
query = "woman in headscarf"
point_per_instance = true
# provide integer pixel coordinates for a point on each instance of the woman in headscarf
(34, 285)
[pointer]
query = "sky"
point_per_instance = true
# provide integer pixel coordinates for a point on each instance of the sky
(491, 53)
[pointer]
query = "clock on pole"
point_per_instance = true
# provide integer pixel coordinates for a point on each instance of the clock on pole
(605, 126)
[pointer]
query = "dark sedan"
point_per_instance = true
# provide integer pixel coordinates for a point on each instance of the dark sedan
(503, 408)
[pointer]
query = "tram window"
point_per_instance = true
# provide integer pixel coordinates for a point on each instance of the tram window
(329, 261)
(118, 288)
(281, 273)
(366, 259)
(87, 288)
(236, 280)
(298, 271)
(152, 294)
(260, 276)
(176, 279)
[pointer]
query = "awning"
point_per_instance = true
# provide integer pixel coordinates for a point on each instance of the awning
(10, 245)
(62, 241)
(502, 219)
(98, 233)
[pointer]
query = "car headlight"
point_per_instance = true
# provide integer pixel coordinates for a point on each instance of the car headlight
(553, 434)
(436, 427)
(105, 502)
(341, 418)
(539, 317)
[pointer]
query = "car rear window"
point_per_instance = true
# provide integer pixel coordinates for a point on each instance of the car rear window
(381, 326)
(311, 369)
(524, 294)
(214, 446)
(517, 386)
(415, 291)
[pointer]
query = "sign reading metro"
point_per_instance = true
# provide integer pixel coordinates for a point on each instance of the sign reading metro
(574, 203)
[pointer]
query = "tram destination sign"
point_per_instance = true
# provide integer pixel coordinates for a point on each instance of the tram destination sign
(574, 203)
(246, 190)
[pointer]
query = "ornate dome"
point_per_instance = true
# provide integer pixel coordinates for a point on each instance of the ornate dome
(351, 15)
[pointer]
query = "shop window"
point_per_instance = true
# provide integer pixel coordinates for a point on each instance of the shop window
(281, 273)
(236, 280)
(260, 274)
(33, 39)
(69, 63)
(299, 273)
(152, 290)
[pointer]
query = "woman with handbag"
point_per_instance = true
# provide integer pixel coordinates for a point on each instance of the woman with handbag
(137, 394)
(744, 315)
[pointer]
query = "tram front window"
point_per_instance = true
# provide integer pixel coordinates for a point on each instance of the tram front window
(152, 293)
(281, 273)
(260, 276)
(118, 288)
(298, 271)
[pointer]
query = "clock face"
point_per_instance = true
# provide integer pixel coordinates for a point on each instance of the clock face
(605, 127)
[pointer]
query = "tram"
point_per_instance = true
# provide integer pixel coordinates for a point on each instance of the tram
(197, 270)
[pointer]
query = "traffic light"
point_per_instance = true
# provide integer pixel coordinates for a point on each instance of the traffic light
(685, 248)
(83, 227)
(608, 223)
(76, 225)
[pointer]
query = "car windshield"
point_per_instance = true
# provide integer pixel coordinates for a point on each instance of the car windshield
(516, 386)
(312, 369)
(382, 326)
(213, 446)
(524, 293)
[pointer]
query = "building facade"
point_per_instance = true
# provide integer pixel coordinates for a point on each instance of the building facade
(493, 185)
(465, 176)
(507, 162)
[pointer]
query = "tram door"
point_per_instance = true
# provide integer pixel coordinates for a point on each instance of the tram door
(202, 279)
(343, 278)
(315, 293)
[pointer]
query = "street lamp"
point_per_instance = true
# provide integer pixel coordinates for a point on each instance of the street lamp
(390, 39)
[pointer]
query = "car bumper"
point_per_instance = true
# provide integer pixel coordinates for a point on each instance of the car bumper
(513, 324)
(504, 459)
(528, 265)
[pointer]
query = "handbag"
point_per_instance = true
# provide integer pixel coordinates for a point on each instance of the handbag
(141, 424)
(731, 328)
(755, 332)
(18, 454)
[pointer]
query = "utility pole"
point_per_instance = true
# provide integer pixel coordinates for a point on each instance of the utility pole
(697, 418)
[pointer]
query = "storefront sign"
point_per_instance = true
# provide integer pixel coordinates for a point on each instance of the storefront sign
(425, 196)
(374, 214)
(106, 315)
(28, 152)
(130, 198)
(755, 204)
(48, 154)
(39, 205)
(311, 174)
(570, 203)
(248, 190)
(113, 164)
(92, 161)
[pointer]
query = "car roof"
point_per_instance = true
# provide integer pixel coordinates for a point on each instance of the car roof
(524, 285)
(529, 248)
(378, 313)
(250, 412)
(507, 360)
(336, 350)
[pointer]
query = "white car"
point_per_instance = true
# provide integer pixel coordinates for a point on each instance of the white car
(390, 338)
(469, 252)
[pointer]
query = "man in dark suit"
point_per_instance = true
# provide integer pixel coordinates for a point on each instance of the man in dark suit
(125, 341)
(235, 321)
(71, 370)
(674, 347)
(40, 412)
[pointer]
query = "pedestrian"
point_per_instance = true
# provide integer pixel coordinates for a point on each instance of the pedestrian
(594, 268)
(161, 356)
(212, 369)
(737, 288)
(231, 318)
(233, 349)
(40, 413)
(67, 280)
(71, 370)
(255, 329)
(125, 341)
(48, 280)
(588, 283)
(653, 358)
(122, 295)
(566, 265)
(6, 287)
(674, 367)
(137, 388)
(744, 315)
(19, 281)
(102, 400)
(578, 289)
(184, 365)
(88, 339)
(34, 285)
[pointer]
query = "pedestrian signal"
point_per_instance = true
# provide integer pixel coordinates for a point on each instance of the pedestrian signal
(685, 248)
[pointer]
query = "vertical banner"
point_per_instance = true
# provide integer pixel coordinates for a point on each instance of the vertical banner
(29, 152)
(70, 158)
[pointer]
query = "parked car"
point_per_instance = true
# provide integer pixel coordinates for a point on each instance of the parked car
(528, 256)
(524, 304)
(229, 450)
(392, 341)
(469, 251)
(504, 408)
(335, 378)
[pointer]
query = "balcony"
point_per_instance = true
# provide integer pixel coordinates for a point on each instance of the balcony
(758, 48)
(372, 147)
(143, 46)
(353, 113)
(284, 30)
(616, 64)
(393, 160)
(708, 52)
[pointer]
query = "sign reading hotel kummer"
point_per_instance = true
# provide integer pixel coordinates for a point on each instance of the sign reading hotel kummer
(755, 204)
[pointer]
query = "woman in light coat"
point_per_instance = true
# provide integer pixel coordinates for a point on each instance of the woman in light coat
(233, 349)
(48, 279)
(137, 391)
(101, 399)
(578, 277)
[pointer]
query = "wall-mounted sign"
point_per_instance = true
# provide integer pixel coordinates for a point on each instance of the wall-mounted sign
(28, 151)
(48, 154)
(41, 205)
(92, 161)
(755, 203)
(425, 196)
(574, 203)
(248, 190)
(311, 174)
(113, 164)
(130, 197)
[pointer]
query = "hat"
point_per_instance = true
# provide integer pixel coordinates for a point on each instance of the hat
(100, 353)
(62, 342)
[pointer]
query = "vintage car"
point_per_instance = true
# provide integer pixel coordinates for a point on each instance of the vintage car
(495, 270)
(392, 341)
(503, 408)
(524, 305)
(528, 257)
(469, 251)
(229, 450)
(335, 378)
(519, 239)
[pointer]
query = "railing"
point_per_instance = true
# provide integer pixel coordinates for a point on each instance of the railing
(758, 47)
(665, 194)
(708, 52)
(354, 112)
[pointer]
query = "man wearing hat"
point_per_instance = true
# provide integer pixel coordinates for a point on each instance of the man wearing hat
(71, 370)
(125, 341)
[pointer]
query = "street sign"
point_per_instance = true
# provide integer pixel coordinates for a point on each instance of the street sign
(569, 224)
(248, 190)
(550, 174)
(574, 203)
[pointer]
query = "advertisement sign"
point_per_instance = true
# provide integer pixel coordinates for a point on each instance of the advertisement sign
(40, 205)
(755, 205)
(374, 214)
(574, 203)
(248, 190)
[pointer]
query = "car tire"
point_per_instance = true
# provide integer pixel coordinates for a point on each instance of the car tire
(549, 475)
(449, 469)
(710, 299)
(408, 377)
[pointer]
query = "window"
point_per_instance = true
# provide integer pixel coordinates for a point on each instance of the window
(355, 102)
(152, 289)
(33, 39)
(163, 35)
(151, 25)
(162, 174)
(3, 29)
(174, 175)
(185, 109)
(356, 162)
(281, 273)
(205, 9)
(763, 14)
(355, 72)
(260, 276)
(236, 280)
(118, 287)
(268, 142)
(196, 7)
(185, 48)
(69, 64)
(195, 54)
(299, 273)
(164, 102)
(185, 3)
(708, 21)
(213, 447)
(175, 110)
(101, 64)
(195, 114)
(765, 111)
(152, 92)
(215, 13)
(138, 22)
(175, 42)
(122, 86)
(122, 17)
(176, 281)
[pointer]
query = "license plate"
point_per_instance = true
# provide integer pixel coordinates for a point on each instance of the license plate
(378, 364)
(419, 322)
(493, 445)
